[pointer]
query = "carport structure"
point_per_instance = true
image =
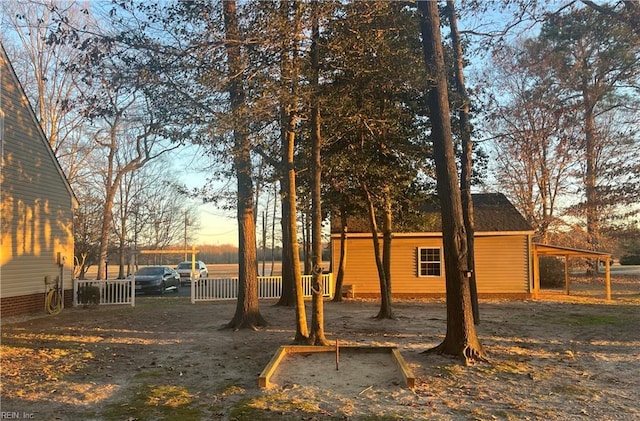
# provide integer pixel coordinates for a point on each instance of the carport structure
(567, 252)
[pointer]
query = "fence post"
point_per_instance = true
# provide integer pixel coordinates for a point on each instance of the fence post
(193, 290)
(75, 292)
(133, 290)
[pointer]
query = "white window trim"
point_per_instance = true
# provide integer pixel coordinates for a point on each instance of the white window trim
(419, 262)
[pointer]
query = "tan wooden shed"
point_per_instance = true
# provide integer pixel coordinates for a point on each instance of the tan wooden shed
(503, 253)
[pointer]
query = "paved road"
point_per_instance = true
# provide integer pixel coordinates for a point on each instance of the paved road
(185, 291)
(626, 270)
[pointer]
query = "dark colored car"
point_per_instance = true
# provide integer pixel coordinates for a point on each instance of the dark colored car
(157, 279)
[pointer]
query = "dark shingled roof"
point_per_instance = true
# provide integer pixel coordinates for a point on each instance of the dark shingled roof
(491, 211)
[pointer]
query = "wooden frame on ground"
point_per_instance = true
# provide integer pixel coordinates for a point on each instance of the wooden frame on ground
(264, 381)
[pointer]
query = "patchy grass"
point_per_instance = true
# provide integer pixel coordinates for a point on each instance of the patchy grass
(148, 401)
(172, 396)
(19, 362)
(32, 373)
(596, 320)
(277, 401)
(231, 390)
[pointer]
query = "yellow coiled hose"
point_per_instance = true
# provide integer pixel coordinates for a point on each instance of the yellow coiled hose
(53, 300)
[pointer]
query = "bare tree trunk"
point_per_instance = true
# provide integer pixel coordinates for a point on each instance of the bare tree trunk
(337, 297)
(273, 233)
(302, 332)
(385, 301)
(114, 173)
(264, 240)
(316, 336)
(593, 226)
(461, 339)
(467, 158)
(104, 239)
(592, 203)
(289, 119)
(287, 298)
(107, 212)
(122, 258)
(307, 241)
(386, 311)
(247, 313)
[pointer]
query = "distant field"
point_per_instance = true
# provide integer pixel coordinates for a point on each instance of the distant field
(222, 270)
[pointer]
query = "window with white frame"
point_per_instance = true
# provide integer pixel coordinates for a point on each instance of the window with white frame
(429, 261)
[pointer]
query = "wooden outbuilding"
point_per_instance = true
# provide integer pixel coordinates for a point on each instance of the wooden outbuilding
(506, 258)
(503, 253)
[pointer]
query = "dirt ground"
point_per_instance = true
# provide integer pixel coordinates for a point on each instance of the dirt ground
(555, 358)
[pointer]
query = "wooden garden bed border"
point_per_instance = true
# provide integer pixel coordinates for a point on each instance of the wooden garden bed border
(264, 381)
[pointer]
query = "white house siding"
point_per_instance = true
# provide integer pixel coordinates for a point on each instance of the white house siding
(37, 204)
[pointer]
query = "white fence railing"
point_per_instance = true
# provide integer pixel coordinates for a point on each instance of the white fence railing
(214, 289)
(122, 291)
(104, 292)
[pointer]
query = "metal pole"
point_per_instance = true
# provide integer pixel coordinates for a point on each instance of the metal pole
(193, 262)
(186, 221)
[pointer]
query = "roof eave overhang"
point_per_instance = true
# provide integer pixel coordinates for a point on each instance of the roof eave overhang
(560, 251)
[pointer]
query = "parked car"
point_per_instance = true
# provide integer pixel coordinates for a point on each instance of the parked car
(184, 269)
(157, 279)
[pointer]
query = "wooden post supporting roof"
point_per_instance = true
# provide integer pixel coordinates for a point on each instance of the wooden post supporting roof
(536, 273)
(607, 277)
(567, 287)
(567, 252)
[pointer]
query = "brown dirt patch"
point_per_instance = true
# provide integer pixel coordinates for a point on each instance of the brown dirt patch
(555, 358)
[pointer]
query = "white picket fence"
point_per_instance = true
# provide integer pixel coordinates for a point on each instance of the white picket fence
(104, 292)
(122, 291)
(214, 289)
